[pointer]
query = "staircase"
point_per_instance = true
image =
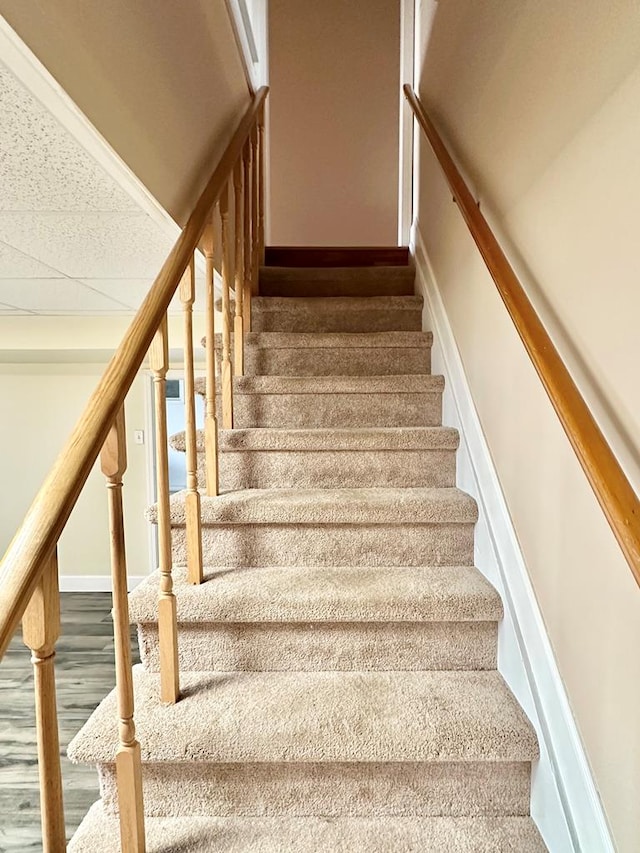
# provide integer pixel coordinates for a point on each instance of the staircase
(339, 685)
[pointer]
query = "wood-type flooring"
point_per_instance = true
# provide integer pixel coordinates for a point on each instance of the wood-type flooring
(85, 673)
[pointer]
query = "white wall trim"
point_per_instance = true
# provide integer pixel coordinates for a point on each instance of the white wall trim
(249, 27)
(565, 803)
(94, 583)
(405, 147)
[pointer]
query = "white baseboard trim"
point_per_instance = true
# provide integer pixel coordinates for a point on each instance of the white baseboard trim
(94, 583)
(564, 801)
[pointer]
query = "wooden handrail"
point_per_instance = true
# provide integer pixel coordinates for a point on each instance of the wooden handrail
(608, 481)
(38, 535)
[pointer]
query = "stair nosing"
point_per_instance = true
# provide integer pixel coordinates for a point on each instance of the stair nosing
(334, 340)
(284, 385)
(376, 303)
(234, 717)
(347, 506)
(99, 831)
(327, 440)
(283, 594)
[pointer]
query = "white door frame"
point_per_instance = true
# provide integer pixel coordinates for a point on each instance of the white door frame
(405, 171)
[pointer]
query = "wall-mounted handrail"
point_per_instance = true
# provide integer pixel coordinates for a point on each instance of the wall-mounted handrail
(610, 485)
(38, 535)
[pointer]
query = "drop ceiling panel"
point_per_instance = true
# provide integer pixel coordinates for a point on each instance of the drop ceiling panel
(15, 264)
(56, 296)
(128, 291)
(72, 238)
(42, 166)
(89, 245)
(132, 291)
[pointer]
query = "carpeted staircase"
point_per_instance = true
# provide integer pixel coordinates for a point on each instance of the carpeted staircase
(339, 683)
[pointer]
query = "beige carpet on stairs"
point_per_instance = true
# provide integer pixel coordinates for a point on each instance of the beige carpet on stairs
(302, 835)
(339, 682)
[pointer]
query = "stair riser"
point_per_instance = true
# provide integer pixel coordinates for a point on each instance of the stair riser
(237, 545)
(403, 788)
(337, 281)
(298, 411)
(278, 647)
(253, 469)
(345, 361)
(338, 319)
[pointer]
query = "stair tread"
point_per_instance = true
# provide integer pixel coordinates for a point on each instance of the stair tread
(335, 340)
(351, 273)
(417, 716)
(411, 383)
(316, 304)
(355, 438)
(325, 594)
(417, 505)
(99, 833)
(319, 304)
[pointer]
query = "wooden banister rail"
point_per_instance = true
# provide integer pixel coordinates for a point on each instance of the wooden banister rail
(610, 485)
(38, 535)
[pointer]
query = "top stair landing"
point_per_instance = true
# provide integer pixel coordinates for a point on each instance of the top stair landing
(291, 271)
(336, 281)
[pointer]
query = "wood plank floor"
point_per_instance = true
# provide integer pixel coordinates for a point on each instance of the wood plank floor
(85, 673)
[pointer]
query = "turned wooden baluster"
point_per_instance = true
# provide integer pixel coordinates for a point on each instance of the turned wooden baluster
(238, 322)
(255, 259)
(167, 616)
(192, 497)
(113, 462)
(40, 632)
(261, 186)
(246, 168)
(211, 419)
(227, 368)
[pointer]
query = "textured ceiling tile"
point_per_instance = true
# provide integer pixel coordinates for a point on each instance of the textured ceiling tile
(42, 167)
(15, 264)
(55, 296)
(132, 291)
(90, 244)
(129, 291)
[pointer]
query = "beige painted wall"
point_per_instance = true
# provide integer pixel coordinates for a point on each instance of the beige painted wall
(49, 366)
(40, 406)
(333, 122)
(20, 335)
(162, 82)
(540, 102)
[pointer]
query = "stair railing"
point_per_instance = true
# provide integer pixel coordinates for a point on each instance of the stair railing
(29, 569)
(612, 489)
